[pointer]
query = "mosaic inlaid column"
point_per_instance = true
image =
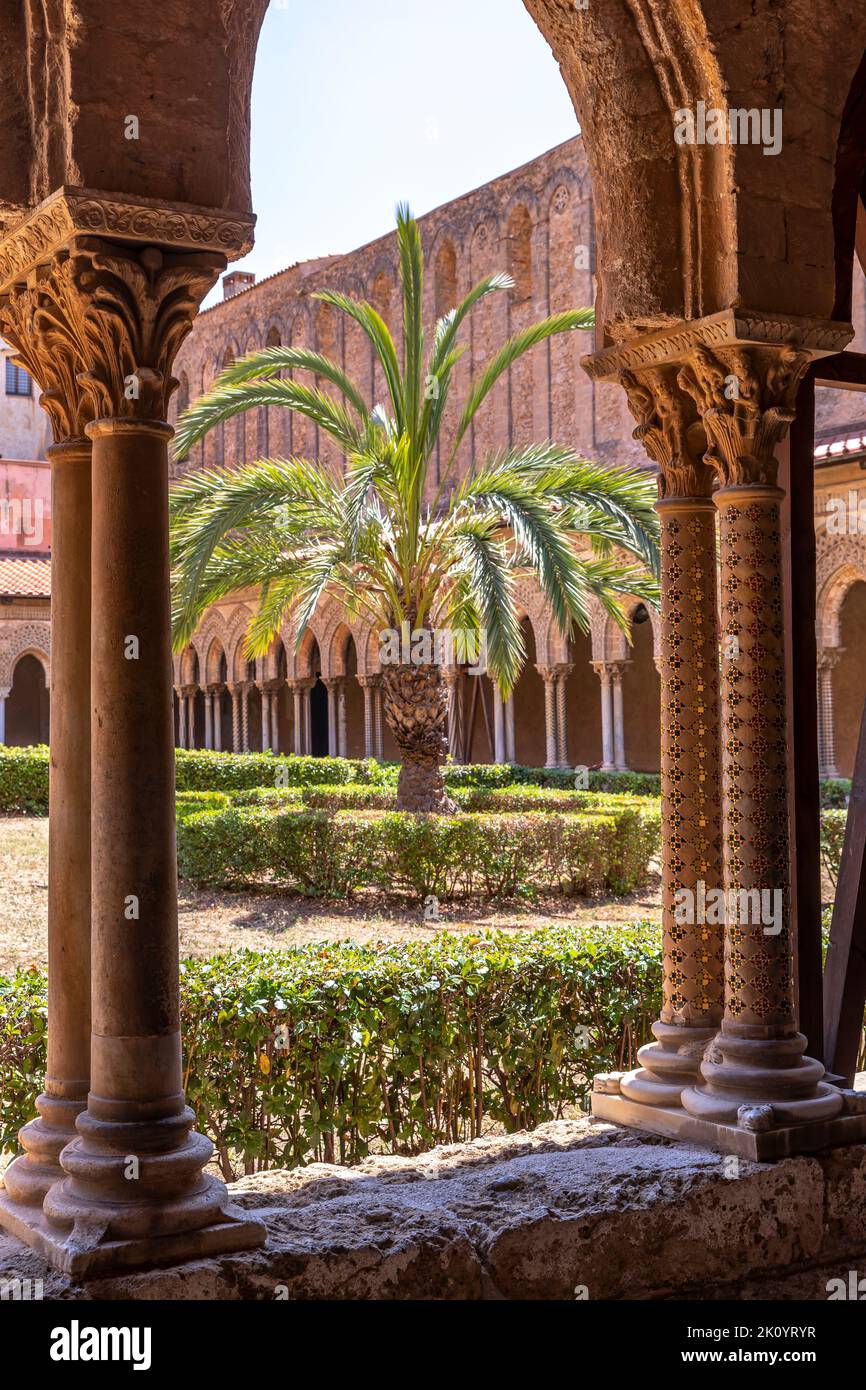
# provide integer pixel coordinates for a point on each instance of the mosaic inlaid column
(755, 1073)
(828, 660)
(693, 979)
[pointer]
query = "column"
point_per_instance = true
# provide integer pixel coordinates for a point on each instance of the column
(237, 731)
(380, 739)
(274, 695)
(755, 1073)
(217, 718)
(693, 980)
(330, 684)
(191, 692)
(5, 692)
(181, 717)
(298, 717)
(208, 719)
(828, 660)
(548, 676)
(603, 673)
(342, 727)
(453, 678)
(245, 716)
(135, 1190)
(510, 741)
(366, 686)
(266, 715)
(64, 1096)
(617, 671)
(498, 725)
(562, 673)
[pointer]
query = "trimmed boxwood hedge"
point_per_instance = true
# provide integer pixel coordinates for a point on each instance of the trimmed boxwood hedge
(24, 780)
(493, 855)
(326, 1052)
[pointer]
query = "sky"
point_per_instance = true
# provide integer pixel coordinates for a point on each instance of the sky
(359, 104)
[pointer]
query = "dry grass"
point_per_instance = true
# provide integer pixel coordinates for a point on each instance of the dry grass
(212, 922)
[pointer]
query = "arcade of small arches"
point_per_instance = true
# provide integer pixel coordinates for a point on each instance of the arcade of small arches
(323, 696)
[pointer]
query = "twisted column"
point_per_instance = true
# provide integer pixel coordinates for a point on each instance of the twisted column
(693, 983)
(561, 675)
(550, 735)
(755, 1072)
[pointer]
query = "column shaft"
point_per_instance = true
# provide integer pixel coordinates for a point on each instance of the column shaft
(549, 716)
(28, 1178)
(693, 984)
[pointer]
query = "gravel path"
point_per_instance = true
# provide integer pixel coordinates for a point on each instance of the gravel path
(212, 922)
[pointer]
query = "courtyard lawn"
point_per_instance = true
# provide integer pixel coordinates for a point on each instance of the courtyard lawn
(212, 921)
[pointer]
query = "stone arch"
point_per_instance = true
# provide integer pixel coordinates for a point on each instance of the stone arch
(445, 278)
(841, 563)
(615, 643)
(190, 666)
(531, 604)
(19, 639)
(518, 247)
(216, 655)
(235, 631)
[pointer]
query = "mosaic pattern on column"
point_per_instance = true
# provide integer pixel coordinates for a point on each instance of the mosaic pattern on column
(691, 781)
(758, 964)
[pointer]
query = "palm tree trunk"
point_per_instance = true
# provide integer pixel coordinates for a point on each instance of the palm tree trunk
(416, 707)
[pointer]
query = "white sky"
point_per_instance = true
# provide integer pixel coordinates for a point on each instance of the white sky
(358, 104)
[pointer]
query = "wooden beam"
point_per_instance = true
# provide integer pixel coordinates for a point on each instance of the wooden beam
(845, 973)
(797, 477)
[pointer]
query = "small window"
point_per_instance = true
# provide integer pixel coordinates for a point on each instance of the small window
(18, 381)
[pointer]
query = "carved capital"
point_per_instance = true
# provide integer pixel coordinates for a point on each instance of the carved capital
(829, 658)
(746, 398)
(669, 430)
(99, 325)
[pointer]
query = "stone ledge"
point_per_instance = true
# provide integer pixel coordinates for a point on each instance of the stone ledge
(626, 1215)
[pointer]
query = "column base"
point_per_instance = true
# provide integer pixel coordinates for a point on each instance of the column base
(28, 1177)
(86, 1250)
(669, 1065)
(759, 1145)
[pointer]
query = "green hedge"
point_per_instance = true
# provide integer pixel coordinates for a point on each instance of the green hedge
(193, 803)
(329, 1052)
(333, 854)
(24, 780)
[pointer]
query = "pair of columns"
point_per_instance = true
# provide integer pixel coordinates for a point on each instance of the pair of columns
(610, 675)
(5, 692)
(113, 1173)
(373, 726)
(728, 1066)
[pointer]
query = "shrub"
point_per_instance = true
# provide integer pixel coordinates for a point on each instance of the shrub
(24, 780)
(832, 838)
(329, 1052)
(323, 852)
(206, 771)
(191, 803)
(23, 1042)
(835, 792)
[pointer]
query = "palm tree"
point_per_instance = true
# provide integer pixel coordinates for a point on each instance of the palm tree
(299, 529)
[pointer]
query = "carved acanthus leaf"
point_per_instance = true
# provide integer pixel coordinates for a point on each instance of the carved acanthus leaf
(666, 428)
(42, 322)
(746, 397)
(137, 306)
